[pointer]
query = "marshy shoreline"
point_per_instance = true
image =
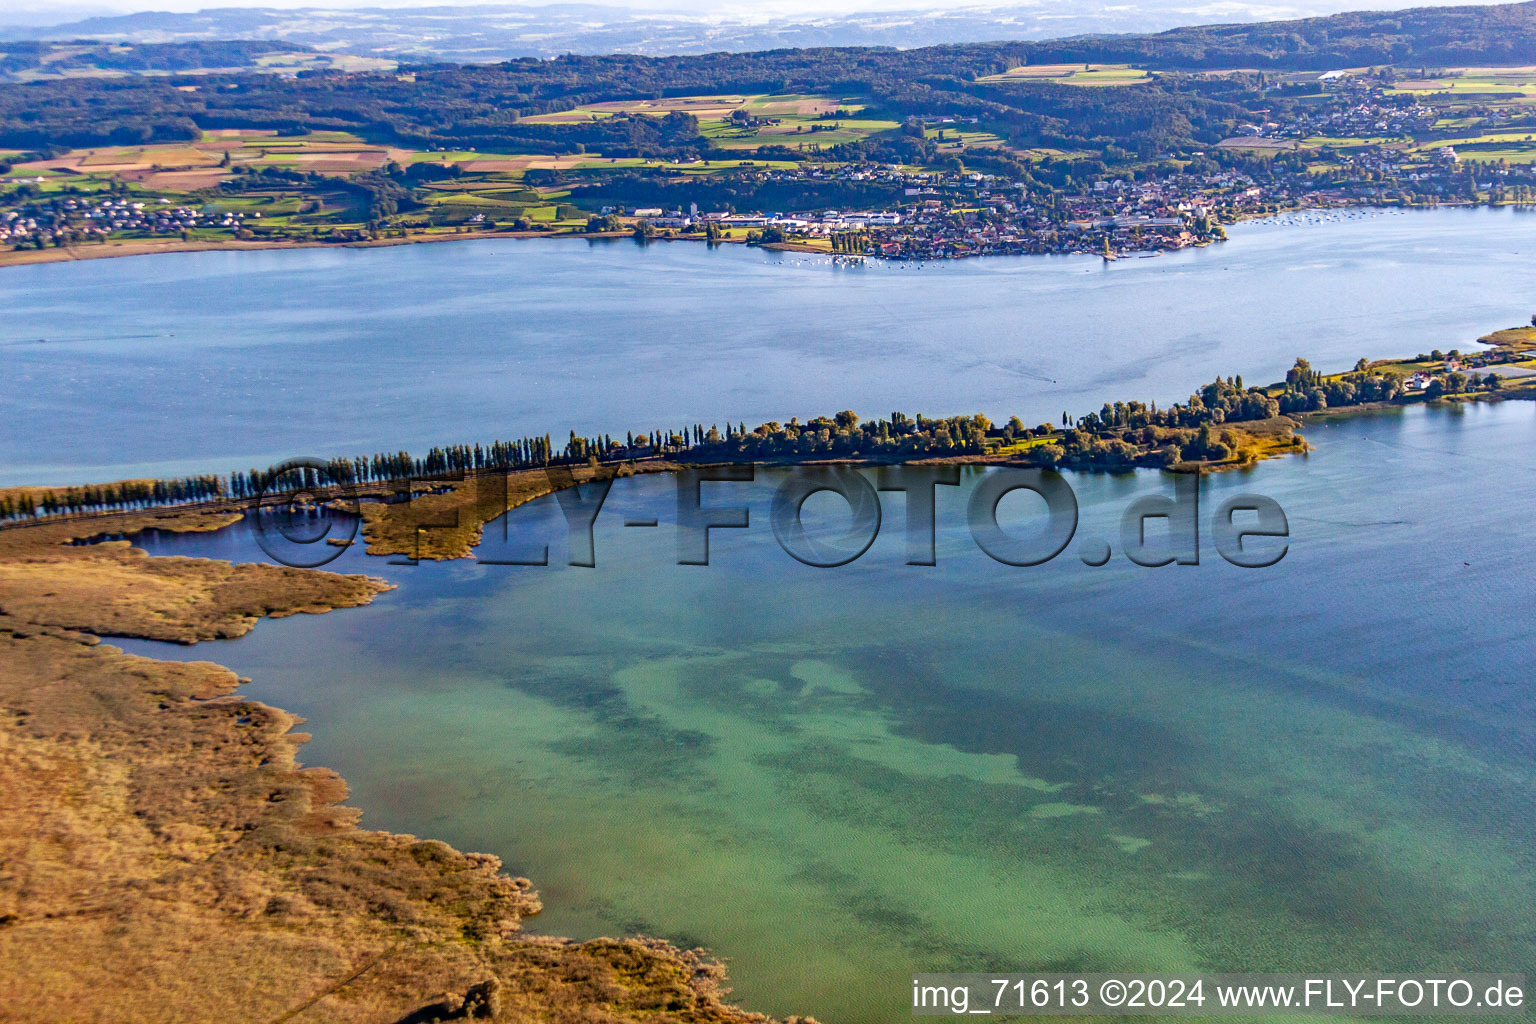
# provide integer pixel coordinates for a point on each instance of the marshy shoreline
(124, 248)
(158, 246)
(175, 861)
(121, 248)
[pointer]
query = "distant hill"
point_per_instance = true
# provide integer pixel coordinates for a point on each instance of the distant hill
(495, 32)
(1500, 34)
(25, 60)
(505, 107)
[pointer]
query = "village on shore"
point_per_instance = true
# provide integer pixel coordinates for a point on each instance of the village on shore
(933, 213)
(943, 215)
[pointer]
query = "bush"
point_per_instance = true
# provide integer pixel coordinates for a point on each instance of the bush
(1049, 455)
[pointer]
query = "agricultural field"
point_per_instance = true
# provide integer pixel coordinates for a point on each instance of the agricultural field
(1348, 142)
(715, 166)
(514, 163)
(794, 131)
(969, 137)
(707, 108)
(327, 152)
(490, 184)
(191, 172)
(793, 120)
(1483, 81)
(1250, 144)
(204, 163)
(1516, 147)
(702, 107)
(1467, 97)
(1340, 143)
(1073, 74)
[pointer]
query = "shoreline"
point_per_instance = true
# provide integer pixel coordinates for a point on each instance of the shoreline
(161, 246)
(157, 246)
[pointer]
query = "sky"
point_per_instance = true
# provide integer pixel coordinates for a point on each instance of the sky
(51, 11)
(60, 10)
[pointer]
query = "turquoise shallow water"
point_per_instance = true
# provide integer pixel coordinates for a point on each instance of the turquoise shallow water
(836, 777)
(256, 357)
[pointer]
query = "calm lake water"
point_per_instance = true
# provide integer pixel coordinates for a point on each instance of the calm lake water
(221, 360)
(836, 777)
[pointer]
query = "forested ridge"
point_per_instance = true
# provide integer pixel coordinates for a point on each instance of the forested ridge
(485, 106)
(89, 54)
(1503, 34)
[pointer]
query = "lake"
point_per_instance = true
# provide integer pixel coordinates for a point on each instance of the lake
(837, 777)
(214, 361)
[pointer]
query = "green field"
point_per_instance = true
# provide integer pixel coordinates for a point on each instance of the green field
(803, 119)
(1518, 147)
(1483, 84)
(709, 107)
(967, 137)
(793, 130)
(1074, 74)
(1114, 75)
(1350, 141)
(713, 166)
(576, 116)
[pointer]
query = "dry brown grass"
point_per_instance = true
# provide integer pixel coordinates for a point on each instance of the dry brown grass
(136, 247)
(447, 520)
(114, 589)
(1265, 439)
(150, 246)
(1520, 339)
(177, 181)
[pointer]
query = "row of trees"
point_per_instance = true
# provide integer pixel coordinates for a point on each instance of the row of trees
(1118, 434)
(845, 436)
(383, 467)
(1125, 433)
(128, 494)
(839, 435)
